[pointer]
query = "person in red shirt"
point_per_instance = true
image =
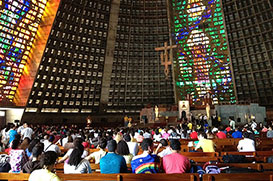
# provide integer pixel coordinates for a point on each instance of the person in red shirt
(194, 134)
(221, 134)
(175, 162)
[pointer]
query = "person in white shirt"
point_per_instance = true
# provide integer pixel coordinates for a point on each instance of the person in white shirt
(253, 124)
(246, 144)
(76, 164)
(157, 136)
(98, 154)
(166, 151)
(231, 124)
(77, 142)
(26, 132)
(50, 146)
(147, 134)
(20, 129)
(133, 146)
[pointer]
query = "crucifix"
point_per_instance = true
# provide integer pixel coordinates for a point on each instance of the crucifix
(166, 60)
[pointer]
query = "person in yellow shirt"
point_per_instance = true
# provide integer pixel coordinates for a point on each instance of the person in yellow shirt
(190, 126)
(206, 144)
(125, 119)
(45, 174)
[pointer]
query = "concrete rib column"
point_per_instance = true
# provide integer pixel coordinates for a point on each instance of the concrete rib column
(110, 47)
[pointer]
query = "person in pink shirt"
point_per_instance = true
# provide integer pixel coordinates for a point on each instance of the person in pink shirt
(165, 135)
(140, 137)
(175, 162)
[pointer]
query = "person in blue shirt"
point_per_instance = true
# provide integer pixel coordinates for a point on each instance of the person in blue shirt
(112, 162)
(237, 133)
(12, 133)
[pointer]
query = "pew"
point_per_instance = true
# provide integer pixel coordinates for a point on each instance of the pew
(238, 176)
(109, 177)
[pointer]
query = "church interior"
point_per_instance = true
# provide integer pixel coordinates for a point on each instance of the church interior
(180, 88)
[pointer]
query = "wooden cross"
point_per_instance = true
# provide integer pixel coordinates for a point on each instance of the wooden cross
(165, 59)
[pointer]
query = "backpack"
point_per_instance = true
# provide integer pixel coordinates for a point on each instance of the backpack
(197, 169)
(4, 163)
(212, 169)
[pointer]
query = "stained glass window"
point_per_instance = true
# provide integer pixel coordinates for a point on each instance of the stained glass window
(202, 62)
(19, 20)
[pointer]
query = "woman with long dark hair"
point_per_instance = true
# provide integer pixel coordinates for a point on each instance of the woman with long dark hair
(123, 150)
(76, 164)
(31, 146)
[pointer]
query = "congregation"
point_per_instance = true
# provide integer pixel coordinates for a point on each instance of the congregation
(36, 149)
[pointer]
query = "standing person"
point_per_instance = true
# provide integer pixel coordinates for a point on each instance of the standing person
(246, 144)
(125, 120)
(175, 162)
(130, 119)
(20, 129)
(76, 164)
(146, 162)
(45, 174)
(5, 135)
(26, 132)
(231, 123)
(112, 162)
(12, 133)
(205, 144)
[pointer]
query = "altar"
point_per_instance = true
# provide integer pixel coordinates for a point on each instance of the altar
(159, 114)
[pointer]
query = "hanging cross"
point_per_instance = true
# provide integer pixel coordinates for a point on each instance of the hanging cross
(165, 59)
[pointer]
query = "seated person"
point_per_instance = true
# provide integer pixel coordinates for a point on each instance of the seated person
(193, 134)
(146, 162)
(34, 163)
(246, 144)
(76, 164)
(18, 157)
(163, 143)
(45, 174)
(237, 133)
(175, 162)
(133, 146)
(123, 150)
(50, 146)
(112, 162)
(221, 134)
(98, 154)
(205, 144)
(76, 142)
(269, 133)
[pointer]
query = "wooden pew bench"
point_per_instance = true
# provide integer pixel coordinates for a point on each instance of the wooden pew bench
(109, 177)
(238, 176)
